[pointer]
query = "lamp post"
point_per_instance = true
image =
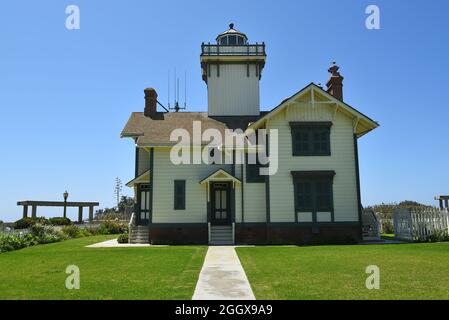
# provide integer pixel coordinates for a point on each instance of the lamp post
(65, 195)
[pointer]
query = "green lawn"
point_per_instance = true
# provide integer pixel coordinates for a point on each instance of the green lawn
(113, 273)
(388, 236)
(407, 271)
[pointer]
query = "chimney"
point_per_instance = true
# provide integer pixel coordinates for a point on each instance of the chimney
(335, 82)
(150, 103)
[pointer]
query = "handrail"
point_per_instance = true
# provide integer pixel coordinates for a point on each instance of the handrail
(208, 231)
(131, 225)
(229, 50)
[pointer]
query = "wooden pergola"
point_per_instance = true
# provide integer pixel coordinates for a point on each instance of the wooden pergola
(62, 204)
(441, 199)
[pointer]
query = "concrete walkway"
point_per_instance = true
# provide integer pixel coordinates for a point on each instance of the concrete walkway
(222, 277)
(114, 244)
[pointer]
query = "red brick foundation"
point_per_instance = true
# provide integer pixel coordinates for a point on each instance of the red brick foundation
(298, 234)
(179, 235)
(261, 233)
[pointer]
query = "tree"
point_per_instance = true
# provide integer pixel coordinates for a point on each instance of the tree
(118, 190)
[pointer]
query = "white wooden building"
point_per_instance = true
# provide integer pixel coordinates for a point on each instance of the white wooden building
(313, 197)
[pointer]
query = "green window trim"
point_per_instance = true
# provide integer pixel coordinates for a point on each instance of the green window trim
(313, 192)
(180, 195)
(253, 172)
(311, 138)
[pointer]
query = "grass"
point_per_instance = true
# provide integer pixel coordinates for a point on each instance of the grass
(388, 236)
(407, 271)
(107, 273)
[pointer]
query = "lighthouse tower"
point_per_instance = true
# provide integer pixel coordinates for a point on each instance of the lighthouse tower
(232, 69)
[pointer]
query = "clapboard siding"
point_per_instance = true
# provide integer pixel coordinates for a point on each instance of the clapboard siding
(233, 92)
(255, 205)
(342, 161)
(196, 194)
(143, 161)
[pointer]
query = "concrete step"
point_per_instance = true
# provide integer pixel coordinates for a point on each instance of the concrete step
(221, 243)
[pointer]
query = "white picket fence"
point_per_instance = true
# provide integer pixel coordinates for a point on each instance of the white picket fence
(420, 225)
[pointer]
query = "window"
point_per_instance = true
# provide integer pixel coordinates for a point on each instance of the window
(180, 195)
(224, 41)
(313, 191)
(232, 40)
(253, 173)
(311, 138)
(240, 40)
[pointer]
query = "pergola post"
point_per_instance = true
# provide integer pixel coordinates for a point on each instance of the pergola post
(33, 212)
(25, 211)
(80, 214)
(91, 213)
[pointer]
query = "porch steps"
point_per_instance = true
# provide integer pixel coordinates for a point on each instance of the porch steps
(139, 234)
(221, 235)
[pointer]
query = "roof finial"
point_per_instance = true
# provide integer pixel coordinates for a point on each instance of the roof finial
(231, 25)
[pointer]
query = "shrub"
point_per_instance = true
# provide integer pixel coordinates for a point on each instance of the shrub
(387, 226)
(71, 231)
(23, 223)
(12, 242)
(60, 221)
(26, 223)
(123, 238)
(93, 231)
(439, 236)
(45, 234)
(112, 227)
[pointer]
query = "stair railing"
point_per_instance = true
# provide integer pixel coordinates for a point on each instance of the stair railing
(132, 223)
(208, 231)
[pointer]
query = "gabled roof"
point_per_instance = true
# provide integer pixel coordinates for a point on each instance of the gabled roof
(220, 175)
(367, 124)
(156, 132)
(143, 178)
(152, 132)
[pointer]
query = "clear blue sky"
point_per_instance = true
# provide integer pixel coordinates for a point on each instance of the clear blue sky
(65, 95)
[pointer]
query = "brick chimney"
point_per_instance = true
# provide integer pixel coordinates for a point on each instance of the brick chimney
(150, 103)
(335, 82)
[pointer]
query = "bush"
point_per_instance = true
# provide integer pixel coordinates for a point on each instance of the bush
(112, 227)
(387, 226)
(12, 242)
(60, 221)
(123, 238)
(71, 231)
(439, 236)
(26, 223)
(45, 234)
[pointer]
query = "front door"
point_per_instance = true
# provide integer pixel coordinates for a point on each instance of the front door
(220, 204)
(143, 217)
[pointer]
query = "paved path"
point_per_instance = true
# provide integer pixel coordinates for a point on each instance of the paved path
(222, 277)
(114, 244)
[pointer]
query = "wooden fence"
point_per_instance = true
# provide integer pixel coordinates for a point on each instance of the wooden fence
(419, 225)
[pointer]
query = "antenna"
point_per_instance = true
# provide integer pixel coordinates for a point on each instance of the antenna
(176, 93)
(185, 89)
(168, 88)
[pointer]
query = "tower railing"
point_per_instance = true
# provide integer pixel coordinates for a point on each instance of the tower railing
(233, 50)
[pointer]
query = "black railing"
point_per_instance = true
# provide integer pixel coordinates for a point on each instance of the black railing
(233, 50)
